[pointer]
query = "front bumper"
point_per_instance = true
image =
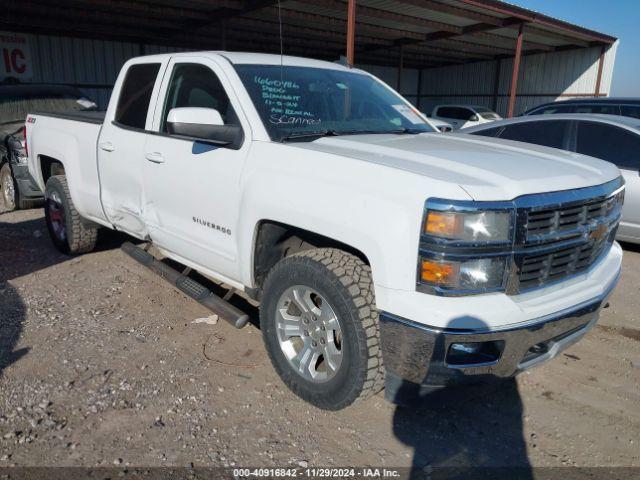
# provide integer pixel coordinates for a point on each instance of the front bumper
(418, 357)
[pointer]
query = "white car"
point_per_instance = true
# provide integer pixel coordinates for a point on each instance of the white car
(444, 127)
(464, 116)
(380, 253)
(613, 138)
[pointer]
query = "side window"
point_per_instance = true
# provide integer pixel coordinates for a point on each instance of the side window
(444, 112)
(553, 109)
(610, 143)
(135, 94)
(630, 110)
(604, 109)
(466, 114)
(456, 113)
(549, 133)
(195, 85)
(489, 132)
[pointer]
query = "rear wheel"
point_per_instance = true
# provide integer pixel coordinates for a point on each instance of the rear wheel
(319, 324)
(70, 233)
(8, 186)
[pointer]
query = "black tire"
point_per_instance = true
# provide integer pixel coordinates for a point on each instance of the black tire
(345, 281)
(8, 188)
(79, 235)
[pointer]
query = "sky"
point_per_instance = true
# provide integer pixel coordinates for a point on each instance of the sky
(620, 18)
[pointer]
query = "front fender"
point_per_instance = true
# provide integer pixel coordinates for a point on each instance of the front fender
(373, 208)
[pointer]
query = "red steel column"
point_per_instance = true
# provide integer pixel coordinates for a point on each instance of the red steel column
(603, 51)
(514, 74)
(351, 31)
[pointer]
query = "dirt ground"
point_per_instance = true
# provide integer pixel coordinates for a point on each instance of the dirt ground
(101, 364)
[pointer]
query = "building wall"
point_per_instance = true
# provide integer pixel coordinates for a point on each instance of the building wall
(542, 78)
(93, 65)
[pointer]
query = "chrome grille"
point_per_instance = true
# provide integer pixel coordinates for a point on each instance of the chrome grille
(565, 238)
(565, 219)
(539, 270)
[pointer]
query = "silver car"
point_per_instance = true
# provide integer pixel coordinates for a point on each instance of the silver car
(608, 137)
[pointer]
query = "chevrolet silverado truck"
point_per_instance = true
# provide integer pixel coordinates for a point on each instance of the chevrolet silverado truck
(383, 253)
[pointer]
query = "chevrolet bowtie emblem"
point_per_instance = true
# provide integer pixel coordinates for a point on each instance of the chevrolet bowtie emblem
(599, 233)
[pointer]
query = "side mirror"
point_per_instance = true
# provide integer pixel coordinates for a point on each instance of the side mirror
(203, 125)
(473, 118)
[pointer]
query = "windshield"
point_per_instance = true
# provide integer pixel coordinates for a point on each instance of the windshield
(486, 113)
(15, 106)
(299, 101)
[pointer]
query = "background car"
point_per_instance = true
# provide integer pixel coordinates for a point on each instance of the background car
(627, 107)
(17, 187)
(441, 125)
(608, 137)
(463, 116)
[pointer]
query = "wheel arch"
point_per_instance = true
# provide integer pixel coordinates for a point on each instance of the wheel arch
(275, 240)
(49, 166)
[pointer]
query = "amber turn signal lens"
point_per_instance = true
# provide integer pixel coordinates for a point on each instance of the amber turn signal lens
(436, 273)
(442, 224)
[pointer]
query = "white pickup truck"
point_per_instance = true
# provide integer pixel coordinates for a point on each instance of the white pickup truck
(381, 251)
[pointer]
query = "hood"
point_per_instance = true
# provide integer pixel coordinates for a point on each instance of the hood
(486, 168)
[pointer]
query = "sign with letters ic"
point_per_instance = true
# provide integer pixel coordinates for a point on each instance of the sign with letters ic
(15, 56)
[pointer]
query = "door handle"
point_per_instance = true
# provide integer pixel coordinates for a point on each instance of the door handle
(154, 157)
(107, 146)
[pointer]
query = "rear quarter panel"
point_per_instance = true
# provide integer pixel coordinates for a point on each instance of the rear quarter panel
(74, 144)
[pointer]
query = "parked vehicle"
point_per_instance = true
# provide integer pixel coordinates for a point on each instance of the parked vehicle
(612, 138)
(627, 107)
(19, 190)
(379, 253)
(464, 116)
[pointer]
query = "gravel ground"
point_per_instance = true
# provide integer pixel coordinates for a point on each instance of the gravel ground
(101, 364)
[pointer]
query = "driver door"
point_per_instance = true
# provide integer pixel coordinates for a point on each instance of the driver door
(192, 187)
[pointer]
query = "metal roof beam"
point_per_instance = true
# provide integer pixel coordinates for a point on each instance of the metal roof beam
(387, 15)
(290, 17)
(557, 36)
(435, 6)
(225, 13)
(525, 15)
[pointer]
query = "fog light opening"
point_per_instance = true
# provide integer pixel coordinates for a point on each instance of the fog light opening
(474, 353)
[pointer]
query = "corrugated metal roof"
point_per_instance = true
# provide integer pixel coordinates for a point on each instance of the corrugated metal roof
(315, 28)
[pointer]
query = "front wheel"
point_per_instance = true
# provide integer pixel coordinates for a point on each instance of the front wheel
(320, 327)
(70, 233)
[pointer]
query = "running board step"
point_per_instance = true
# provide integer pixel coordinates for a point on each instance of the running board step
(188, 286)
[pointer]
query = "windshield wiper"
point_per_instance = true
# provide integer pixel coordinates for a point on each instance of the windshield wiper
(380, 132)
(310, 136)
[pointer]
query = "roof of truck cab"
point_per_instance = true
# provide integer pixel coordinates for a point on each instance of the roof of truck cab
(248, 58)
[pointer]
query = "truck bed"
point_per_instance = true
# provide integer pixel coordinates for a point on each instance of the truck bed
(89, 116)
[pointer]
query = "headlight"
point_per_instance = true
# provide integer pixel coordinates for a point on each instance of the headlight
(465, 246)
(469, 227)
(480, 274)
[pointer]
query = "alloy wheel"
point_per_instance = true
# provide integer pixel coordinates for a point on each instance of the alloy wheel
(309, 333)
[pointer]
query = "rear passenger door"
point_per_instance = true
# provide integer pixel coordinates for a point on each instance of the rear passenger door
(121, 145)
(621, 147)
(193, 188)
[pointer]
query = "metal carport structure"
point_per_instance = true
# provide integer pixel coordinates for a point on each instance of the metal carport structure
(481, 51)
